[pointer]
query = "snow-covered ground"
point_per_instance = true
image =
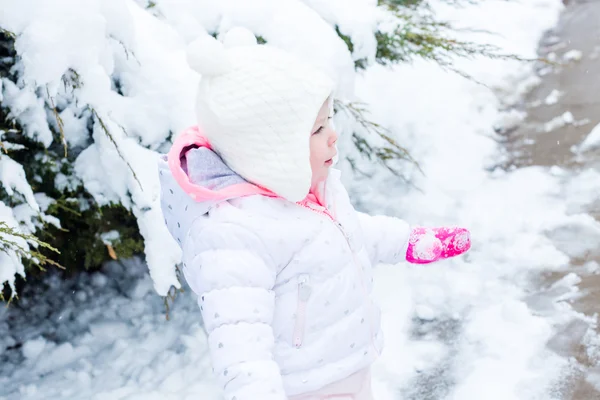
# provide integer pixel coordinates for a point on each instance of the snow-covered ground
(468, 329)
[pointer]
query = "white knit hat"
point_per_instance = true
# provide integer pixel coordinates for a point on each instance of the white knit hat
(257, 104)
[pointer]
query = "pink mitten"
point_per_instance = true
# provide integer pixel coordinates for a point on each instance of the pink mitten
(426, 245)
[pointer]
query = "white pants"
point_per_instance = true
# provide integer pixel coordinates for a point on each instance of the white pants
(354, 387)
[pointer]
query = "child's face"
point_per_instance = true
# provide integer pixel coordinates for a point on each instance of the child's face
(322, 145)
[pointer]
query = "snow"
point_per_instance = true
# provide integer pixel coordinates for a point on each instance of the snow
(99, 280)
(462, 329)
(357, 19)
(573, 55)
(500, 346)
(426, 245)
(10, 262)
(26, 108)
(33, 348)
(12, 178)
(509, 120)
(108, 345)
(553, 97)
(558, 122)
(582, 226)
(110, 237)
(592, 267)
(592, 141)
(157, 100)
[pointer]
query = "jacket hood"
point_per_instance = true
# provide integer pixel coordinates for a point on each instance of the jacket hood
(194, 179)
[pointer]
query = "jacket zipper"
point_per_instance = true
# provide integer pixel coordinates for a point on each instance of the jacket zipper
(356, 264)
(304, 291)
(361, 276)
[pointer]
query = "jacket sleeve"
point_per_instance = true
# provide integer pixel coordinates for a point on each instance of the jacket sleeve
(233, 276)
(386, 238)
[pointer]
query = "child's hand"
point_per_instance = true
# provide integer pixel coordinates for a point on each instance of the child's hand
(426, 245)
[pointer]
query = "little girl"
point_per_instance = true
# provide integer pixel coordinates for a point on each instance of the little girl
(280, 260)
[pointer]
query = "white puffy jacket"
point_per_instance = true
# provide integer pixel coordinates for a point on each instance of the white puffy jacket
(284, 289)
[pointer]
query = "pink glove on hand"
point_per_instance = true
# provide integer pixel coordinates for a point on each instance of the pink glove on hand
(426, 245)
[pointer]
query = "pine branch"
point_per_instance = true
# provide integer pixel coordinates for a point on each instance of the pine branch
(112, 139)
(385, 154)
(8, 230)
(423, 37)
(8, 33)
(7, 246)
(59, 121)
(72, 79)
(418, 34)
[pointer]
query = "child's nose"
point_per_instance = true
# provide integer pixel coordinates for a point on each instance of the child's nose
(333, 137)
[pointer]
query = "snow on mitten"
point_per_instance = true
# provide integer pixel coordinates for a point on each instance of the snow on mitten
(426, 245)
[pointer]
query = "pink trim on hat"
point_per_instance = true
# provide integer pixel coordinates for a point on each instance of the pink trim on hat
(193, 137)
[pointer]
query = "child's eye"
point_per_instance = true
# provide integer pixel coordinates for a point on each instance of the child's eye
(318, 130)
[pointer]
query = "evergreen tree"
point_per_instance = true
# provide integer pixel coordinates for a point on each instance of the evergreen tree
(49, 216)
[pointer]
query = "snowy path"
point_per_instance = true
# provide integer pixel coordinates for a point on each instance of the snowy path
(474, 328)
(573, 148)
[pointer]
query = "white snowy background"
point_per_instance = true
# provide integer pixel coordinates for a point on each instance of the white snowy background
(465, 329)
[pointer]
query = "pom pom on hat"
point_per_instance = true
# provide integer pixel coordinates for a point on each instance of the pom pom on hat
(208, 56)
